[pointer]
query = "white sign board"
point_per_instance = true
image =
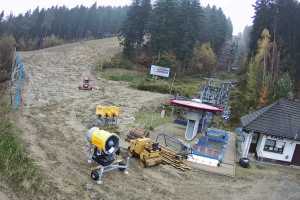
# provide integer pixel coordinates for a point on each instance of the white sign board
(160, 71)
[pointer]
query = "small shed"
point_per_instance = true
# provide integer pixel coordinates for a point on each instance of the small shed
(273, 132)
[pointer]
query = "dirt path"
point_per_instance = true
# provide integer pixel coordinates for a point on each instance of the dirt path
(55, 118)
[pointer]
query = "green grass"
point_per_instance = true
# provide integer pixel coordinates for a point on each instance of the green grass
(150, 120)
(185, 86)
(126, 75)
(120, 68)
(16, 168)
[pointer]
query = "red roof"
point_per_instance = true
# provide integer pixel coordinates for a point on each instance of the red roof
(195, 105)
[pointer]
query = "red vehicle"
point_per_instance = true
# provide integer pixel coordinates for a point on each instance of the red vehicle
(86, 84)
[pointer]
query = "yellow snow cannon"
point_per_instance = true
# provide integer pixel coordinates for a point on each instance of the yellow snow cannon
(104, 149)
(104, 141)
(107, 111)
(107, 115)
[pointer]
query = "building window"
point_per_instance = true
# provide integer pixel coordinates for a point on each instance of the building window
(274, 146)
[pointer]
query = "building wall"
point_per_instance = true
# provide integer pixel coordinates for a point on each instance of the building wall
(246, 142)
(195, 116)
(288, 150)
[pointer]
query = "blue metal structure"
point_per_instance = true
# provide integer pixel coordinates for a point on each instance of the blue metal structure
(17, 82)
(217, 93)
(212, 145)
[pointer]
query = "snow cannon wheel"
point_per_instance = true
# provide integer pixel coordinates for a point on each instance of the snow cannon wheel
(95, 175)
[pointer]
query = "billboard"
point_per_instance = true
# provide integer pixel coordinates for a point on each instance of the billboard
(160, 71)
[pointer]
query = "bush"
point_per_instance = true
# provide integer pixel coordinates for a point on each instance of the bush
(118, 61)
(168, 59)
(51, 41)
(27, 45)
(204, 59)
(7, 45)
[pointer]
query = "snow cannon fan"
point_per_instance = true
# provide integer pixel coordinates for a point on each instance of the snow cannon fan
(104, 149)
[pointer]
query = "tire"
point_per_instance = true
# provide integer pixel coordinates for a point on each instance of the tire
(244, 162)
(122, 164)
(95, 175)
(118, 152)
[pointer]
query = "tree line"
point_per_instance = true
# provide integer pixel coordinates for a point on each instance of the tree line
(282, 19)
(172, 32)
(31, 29)
(272, 70)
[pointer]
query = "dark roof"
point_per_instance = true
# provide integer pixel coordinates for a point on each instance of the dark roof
(281, 119)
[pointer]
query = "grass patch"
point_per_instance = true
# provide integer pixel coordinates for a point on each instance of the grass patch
(120, 68)
(184, 86)
(16, 168)
(150, 120)
(129, 76)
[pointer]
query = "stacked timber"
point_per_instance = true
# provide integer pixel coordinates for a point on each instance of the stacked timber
(170, 157)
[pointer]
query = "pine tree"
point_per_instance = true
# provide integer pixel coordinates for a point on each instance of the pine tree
(164, 26)
(135, 27)
(190, 21)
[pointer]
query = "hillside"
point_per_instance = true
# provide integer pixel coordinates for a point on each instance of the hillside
(56, 114)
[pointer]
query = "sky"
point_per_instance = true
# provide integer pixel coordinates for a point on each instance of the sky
(240, 11)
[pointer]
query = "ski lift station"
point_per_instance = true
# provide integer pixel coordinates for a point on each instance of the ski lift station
(198, 116)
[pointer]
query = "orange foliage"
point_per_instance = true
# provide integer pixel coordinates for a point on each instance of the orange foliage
(263, 99)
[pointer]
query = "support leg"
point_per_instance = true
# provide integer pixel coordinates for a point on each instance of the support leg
(99, 182)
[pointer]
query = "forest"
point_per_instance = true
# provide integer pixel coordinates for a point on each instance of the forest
(42, 28)
(37, 28)
(180, 34)
(271, 70)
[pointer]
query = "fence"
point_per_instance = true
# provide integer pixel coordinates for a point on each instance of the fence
(17, 82)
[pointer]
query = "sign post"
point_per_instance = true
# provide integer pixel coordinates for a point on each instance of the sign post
(160, 71)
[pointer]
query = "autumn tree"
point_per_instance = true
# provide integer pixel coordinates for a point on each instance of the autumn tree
(204, 58)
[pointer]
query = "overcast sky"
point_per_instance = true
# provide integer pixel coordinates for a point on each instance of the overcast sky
(240, 11)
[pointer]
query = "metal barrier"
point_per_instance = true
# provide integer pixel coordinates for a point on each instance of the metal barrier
(17, 82)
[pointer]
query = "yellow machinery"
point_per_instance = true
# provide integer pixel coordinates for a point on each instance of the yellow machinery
(146, 150)
(104, 149)
(107, 115)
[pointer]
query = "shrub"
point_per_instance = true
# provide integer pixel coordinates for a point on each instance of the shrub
(51, 41)
(167, 59)
(118, 61)
(28, 44)
(7, 45)
(204, 59)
